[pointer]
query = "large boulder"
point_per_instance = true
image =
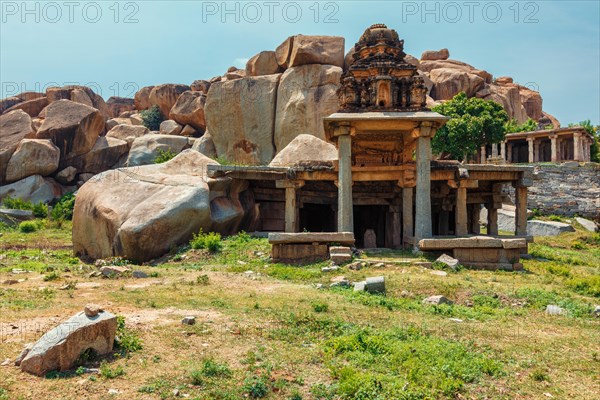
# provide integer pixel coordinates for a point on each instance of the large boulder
(200, 85)
(442, 54)
(105, 153)
(264, 63)
(34, 188)
(60, 348)
(165, 96)
(170, 127)
(145, 149)
(305, 149)
(72, 126)
(189, 110)
(141, 99)
(302, 50)
(448, 82)
(508, 97)
(240, 115)
(547, 228)
(127, 133)
(163, 206)
(33, 157)
(33, 106)
(305, 96)
(205, 145)
(118, 105)
(532, 101)
(14, 127)
(79, 94)
(8, 102)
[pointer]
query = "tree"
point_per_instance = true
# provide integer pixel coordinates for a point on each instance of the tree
(595, 132)
(513, 126)
(473, 123)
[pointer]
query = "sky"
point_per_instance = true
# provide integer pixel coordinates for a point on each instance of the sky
(116, 47)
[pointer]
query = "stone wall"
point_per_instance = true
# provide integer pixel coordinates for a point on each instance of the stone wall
(566, 189)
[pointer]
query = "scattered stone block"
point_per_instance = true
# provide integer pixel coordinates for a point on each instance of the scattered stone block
(438, 273)
(60, 348)
(113, 271)
(448, 261)
(357, 265)
(139, 274)
(360, 286)
(330, 269)
(188, 320)
(340, 254)
(552, 309)
(339, 281)
(547, 228)
(91, 310)
(437, 300)
(14, 217)
(596, 311)
(587, 224)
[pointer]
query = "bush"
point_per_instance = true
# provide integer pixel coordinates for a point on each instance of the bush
(127, 341)
(256, 387)
(320, 307)
(152, 117)
(28, 226)
(40, 210)
(164, 155)
(109, 373)
(63, 209)
(210, 241)
(212, 368)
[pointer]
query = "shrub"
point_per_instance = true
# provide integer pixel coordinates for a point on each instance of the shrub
(52, 276)
(212, 368)
(256, 387)
(210, 241)
(28, 226)
(164, 155)
(320, 307)
(152, 117)
(40, 210)
(109, 373)
(63, 209)
(127, 341)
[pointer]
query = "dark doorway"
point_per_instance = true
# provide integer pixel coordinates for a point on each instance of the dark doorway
(317, 218)
(369, 217)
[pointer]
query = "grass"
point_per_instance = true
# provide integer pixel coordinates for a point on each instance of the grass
(274, 335)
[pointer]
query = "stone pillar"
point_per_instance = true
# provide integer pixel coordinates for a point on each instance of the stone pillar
(577, 146)
(461, 212)
(423, 187)
(509, 148)
(553, 148)
(396, 239)
(521, 211)
(587, 150)
(494, 150)
(291, 208)
(345, 209)
(407, 215)
(531, 153)
(503, 150)
(492, 222)
(483, 155)
(536, 151)
(475, 215)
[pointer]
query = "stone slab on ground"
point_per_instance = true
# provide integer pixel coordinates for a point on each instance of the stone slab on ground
(448, 261)
(436, 300)
(13, 217)
(587, 224)
(547, 228)
(60, 348)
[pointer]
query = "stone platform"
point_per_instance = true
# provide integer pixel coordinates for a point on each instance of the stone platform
(306, 247)
(481, 252)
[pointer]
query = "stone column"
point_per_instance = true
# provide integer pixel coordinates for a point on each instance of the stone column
(396, 239)
(475, 215)
(531, 151)
(521, 211)
(587, 150)
(483, 155)
(503, 150)
(536, 151)
(577, 146)
(509, 148)
(407, 215)
(553, 148)
(494, 150)
(461, 212)
(345, 209)
(291, 208)
(492, 222)
(423, 179)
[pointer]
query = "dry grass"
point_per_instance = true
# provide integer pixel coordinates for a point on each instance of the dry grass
(265, 328)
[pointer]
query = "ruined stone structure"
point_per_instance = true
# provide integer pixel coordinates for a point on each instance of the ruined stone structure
(554, 145)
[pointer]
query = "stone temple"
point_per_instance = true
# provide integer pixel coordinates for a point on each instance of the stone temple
(380, 186)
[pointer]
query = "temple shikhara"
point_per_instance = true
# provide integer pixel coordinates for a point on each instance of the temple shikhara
(380, 186)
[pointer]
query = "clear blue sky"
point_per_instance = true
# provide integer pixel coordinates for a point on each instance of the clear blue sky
(553, 46)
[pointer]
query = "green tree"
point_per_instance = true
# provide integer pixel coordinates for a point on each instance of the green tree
(152, 117)
(473, 123)
(595, 132)
(513, 126)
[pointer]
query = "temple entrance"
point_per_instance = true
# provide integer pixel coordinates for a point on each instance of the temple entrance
(369, 226)
(317, 218)
(520, 152)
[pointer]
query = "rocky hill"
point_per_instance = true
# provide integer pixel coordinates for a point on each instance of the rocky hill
(53, 142)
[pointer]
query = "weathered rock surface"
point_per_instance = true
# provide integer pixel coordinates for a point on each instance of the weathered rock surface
(547, 228)
(200, 85)
(8, 102)
(14, 217)
(144, 149)
(302, 50)
(371, 285)
(448, 82)
(264, 63)
(165, 205)
(79, 94)
(305, 149)
(448, 261)
(14, 127)
(118, 105)
(32, 157)
(587, 224)
(73, 127)
(437, 300)
(189, 110)
(170, 127)
(240, 116)
(105, 153)
(141, 100)
(442, 54)
(66, 175)
(127, 133)
(165, 96)
(206, 146)
(305, 96)
(33, 107)
(34, 188)
(60, 348)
